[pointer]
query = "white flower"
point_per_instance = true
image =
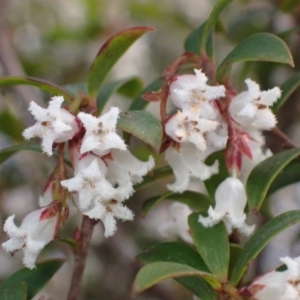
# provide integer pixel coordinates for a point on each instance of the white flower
(187, 161)
(100, 136)
(177, 225)
(231, 200)
(36, 231)
(187, 126)
(89, 182)
(125, 170)
(189, 90)
(277, 285)
(54, 124)
(252, 107)
(107, 212)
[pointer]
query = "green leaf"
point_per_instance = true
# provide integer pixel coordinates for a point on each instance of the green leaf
(142, 125)
(260, 239)
(192, 42)
(288, 5)
(212, 244)
(139, 103)
(213, 17)
(156, 272)
(289, 175)
(156, 175)
(258, 47)
(11, 125)
(35, 279)
(196, 200)
(214, 181)
(46, 86)
(262, 176)
(15, 292)
(286, 90)
(235, 251)
(75, 88)
(110, 53)
(127, 87)
(6, 153)
(181, 253)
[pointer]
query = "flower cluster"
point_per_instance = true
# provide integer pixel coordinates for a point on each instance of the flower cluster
(104, 174)
(210, 119)
(283, 285)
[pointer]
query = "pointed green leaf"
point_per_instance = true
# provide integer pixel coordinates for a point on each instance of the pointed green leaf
(139, 103)
(235, 251)
(156, 175)
(6, 153)
(181, 253)
(127, 87)
(142, 125)
(213, 17)
(258, 47)
(260, 239)
(262, 176)
(110, 53)
(46, 86)
(212, 244)
(196, 200)
(214, 181)
(289, 175)
(76, 88)
(15, 292)
(156, 272)
(35, 279)
(286, 90)
(192, 42)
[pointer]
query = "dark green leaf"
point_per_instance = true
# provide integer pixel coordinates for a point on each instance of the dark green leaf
(262, 176)
(46, 86)
(15, 292)
(110, 53)
(235, 251)
(6, 153)
(139, 103)
(214, 181)
(212, 244)
(156, 272)
(142, 125)
(289, 175)
(35, 279)
(11, 125)
(288, 5)
(213, 17)
(195, 200)
(192, 42)
(260, 239)
(258, 47)
(127, 87)
(75, 88)
(287, 89)
(181, 253)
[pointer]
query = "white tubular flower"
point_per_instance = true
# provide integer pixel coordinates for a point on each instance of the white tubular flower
(178, 223)
(89, 182)
(188, 162)
(100, 134)
(187, 126)
(36, 231)
(107, 212)
(251, 108)
(277, 285)
(54, 124)
(231, 200)
(189, 90)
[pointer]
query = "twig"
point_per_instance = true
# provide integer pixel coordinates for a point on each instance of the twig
(285, 141)
(87, 228)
